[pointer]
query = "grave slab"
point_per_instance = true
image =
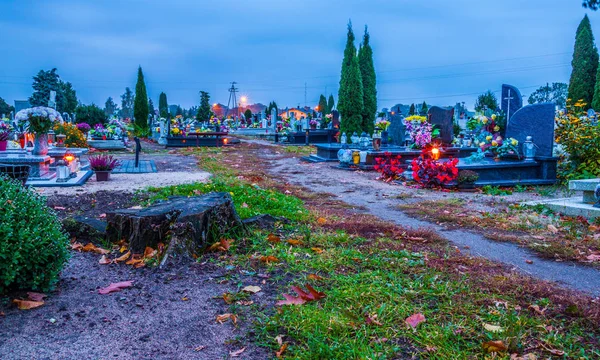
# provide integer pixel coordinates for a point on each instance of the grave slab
(587, 186)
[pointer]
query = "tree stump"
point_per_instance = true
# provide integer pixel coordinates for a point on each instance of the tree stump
(185, 225)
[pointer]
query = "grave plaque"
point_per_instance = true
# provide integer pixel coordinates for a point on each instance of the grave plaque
(396, 130)
(536, 121)
(511, 102)
(443, 119)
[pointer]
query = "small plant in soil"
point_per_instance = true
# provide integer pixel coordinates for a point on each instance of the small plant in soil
(467, 177)
(103, 162)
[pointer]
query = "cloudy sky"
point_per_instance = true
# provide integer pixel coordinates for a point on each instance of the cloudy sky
(439, 51)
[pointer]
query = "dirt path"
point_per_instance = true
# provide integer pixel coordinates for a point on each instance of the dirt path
(381, 199)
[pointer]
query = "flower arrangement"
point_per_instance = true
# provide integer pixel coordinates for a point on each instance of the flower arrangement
(313, 122)
(75, 137)
(84, 127)
(431, 173)
(175, 131)
(103, 162)
(40, 118)
(383, 124)
(389, 166)
(420, 131)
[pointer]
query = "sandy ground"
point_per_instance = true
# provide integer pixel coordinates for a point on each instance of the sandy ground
(130, 182)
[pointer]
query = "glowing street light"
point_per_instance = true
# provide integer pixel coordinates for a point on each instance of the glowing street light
(244, 99)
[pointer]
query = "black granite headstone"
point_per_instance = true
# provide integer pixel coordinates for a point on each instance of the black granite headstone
(443, 119)
(511, 100)
(536, 121)
(335, 121)
(396, 130)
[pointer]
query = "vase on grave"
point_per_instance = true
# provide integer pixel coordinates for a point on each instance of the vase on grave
(384, 138)
(40, 144)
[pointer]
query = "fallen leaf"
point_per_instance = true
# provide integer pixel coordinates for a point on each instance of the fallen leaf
(244, 205)
(415, 319)
(237, 352)
(272, 238)
(317, 250)
(228, 298)
(303, 296)
(245, 302)
(123, 249)
(279, 339)
(89, 247)
(372, 320)
(552, 228)
(279, 353)
(27, 304)
(537, 309)
(593, 257)
(529, 261)
(268, 259)
(222, 245)
(114, 287)
(76, 246)
(58, 208)
(149, 252)
(104, 260)
(494, 346)
(135, 260)
(321, 221)
(314, 277)
(251, 289)
(221, 319)
(101, 216)
(123, 257)
(294, 242)
(493, 328)
(200, 348)
(290, 300)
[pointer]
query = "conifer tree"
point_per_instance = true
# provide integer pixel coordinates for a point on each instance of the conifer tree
(163, 105)
(330, 104)
(350, 95)
(140, 107)
(323, 105)
(204, 112)
(411, 111)
(585, 65)
(424, 109)
(369, 81)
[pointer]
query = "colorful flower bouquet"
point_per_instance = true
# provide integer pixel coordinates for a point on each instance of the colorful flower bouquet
(84, 127)
(383, 124)
(420, 131)
(40, 118)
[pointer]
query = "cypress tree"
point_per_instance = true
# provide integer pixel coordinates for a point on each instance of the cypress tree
(204, 112)
(140, 106)
(163, 106)
(424, 109)
(369, 82)
(323, 105)
(330, 104)
(585, 65)
(350, 95)
(411, 111)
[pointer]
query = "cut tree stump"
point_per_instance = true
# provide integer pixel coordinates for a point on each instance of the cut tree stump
(185, 225)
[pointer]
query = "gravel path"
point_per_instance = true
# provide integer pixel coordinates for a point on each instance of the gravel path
(381, 199)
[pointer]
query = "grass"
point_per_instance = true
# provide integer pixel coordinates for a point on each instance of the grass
(374, 269)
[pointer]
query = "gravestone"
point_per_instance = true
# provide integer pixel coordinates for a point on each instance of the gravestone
(511, 101)
(536, 121)
(273, 116)
(443, 119)
(397, 130)
(305, 124)
(162, 140)
(335, 120)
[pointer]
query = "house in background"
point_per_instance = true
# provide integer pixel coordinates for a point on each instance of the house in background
(295, 112)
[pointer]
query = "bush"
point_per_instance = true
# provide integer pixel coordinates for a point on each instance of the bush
(389, 166)
(90, 114)
(75, 138)
(580, 139)
(33, 246)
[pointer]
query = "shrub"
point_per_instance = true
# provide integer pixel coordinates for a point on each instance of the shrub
(389, 166)
(431, 173)
(33, 247)
(580, 138)
(75, 137)
(103, 162)
(467, 177)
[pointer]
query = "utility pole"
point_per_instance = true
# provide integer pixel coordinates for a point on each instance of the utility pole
(305, 103)
(232, 99)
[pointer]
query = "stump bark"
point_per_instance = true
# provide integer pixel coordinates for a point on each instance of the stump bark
(185, 225)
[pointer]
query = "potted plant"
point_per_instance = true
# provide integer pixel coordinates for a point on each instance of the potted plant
(313, 124)
(40, 121)
(466, 179)
(4, 130)
(103, 165)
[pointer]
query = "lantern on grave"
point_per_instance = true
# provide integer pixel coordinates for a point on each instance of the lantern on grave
(435, 153)
(60, 140)
(354, 139)
(63, 173)
(344, 156)
(51, 137)
(364, 141)
(529, 149)
(356, 157)
(344, 139)
(71, 162)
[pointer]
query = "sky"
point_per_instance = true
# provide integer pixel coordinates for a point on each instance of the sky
(289, 51)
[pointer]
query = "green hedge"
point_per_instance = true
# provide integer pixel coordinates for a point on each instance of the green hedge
(33, 246)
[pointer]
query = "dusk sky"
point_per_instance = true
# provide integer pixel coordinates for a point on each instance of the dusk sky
(439, 51)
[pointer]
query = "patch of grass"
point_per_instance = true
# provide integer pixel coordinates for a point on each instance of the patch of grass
(299, 150)
(496, 190)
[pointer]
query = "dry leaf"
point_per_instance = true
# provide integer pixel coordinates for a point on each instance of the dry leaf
(279, 339)
(123, 257)
(537, 309)
(552, 228)
(76, 246)
(228, 298)
(149, 252)
(222, 245)
(237, 352)
(245, 302)
(372, 320)
(89, 247)
(314, 277)
(279, 353)
(123, 249)
(303, 296)
(272, 238)
(114, 287)
(251, 289)
(221, 319)
(415, 319)
(27, 304)
(294, 242)
(104, 260)
(321, 221)
(200, 348)
(494, 346)
(493, 328)
(317, 250)
(268, 259)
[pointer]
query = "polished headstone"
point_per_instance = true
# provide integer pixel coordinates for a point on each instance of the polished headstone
(511, 100)
(536, 121)
(396, 130)
(443, 119)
